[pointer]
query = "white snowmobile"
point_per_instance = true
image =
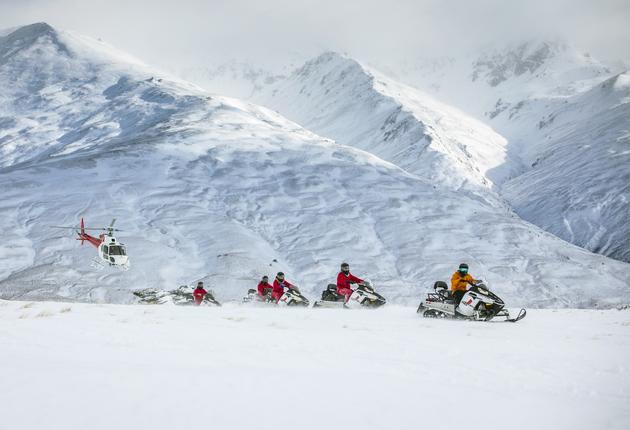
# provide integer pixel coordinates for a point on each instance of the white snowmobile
(478, 304)
(363, 296)
(253, 298)
(291, 297)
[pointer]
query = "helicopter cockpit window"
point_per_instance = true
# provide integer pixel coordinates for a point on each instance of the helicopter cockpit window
(116, 250)
(104, 249)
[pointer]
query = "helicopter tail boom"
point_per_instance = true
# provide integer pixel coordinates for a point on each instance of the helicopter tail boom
(83, 236)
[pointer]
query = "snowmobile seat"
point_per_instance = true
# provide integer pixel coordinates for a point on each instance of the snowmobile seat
(440, 285)
(441, 288)
(330, 293)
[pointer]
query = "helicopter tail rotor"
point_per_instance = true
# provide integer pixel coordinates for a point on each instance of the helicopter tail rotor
(82, 234)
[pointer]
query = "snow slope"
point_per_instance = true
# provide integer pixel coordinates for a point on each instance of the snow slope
(566, 118)
(217, 189)
(340, 98)
(164, 367)
(579, 153)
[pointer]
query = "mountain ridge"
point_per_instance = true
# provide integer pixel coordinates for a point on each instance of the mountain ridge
(224, 191)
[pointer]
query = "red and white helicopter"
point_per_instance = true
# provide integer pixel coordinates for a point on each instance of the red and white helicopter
(110, 251)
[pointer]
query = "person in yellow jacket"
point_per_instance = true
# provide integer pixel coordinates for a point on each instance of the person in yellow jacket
(460, 281)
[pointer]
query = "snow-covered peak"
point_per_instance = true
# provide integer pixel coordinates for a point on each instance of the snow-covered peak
(346, 100)
(14, 41)
(542, 67)
(63, 54)
(327, 61)
(45, 70)
(488, 82)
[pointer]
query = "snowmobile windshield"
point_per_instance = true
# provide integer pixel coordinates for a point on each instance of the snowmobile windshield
(116, 250)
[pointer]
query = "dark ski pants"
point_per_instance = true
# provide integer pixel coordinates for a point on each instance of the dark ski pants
(457, 296)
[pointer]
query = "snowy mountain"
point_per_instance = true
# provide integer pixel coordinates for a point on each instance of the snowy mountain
(566, 119)
(340, 98)
(578, 183)
(217, 189)
(492, 82)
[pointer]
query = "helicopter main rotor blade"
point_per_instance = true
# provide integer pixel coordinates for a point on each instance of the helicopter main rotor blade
(112, 223)
(85, 228)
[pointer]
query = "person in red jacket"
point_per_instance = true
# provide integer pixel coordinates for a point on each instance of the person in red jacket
(344, 281)
(199, 293)
(264, 288)
(279, 284)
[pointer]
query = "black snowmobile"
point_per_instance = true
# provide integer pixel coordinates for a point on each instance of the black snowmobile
(180, 296)
(363, 296)
(478, 304)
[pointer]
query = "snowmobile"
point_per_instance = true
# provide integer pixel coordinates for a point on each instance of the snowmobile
(291, 297)
(252, 297)
(180, 296)
(478, 304)
(209, 299)
(363, 296)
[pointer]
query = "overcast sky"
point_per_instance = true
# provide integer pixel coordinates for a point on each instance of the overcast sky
(192, 32)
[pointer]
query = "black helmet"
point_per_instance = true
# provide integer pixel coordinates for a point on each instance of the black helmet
(345, 267)
(463, 268)
(199, 284)
(265, 278)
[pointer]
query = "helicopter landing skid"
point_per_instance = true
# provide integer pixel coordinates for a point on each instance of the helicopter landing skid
(97, 264)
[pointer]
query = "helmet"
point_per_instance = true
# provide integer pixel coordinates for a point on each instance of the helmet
(463, 268)
(265, 278)
(280, 275)
(200, 284)
(345, 267)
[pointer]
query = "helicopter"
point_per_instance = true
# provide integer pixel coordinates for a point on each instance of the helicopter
(110, 251)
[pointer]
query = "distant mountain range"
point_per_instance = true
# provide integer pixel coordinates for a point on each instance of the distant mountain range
(214, 188)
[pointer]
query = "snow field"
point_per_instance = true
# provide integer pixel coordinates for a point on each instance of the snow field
(67, 366)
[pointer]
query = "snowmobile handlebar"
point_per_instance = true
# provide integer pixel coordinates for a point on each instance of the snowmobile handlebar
(475, 282)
